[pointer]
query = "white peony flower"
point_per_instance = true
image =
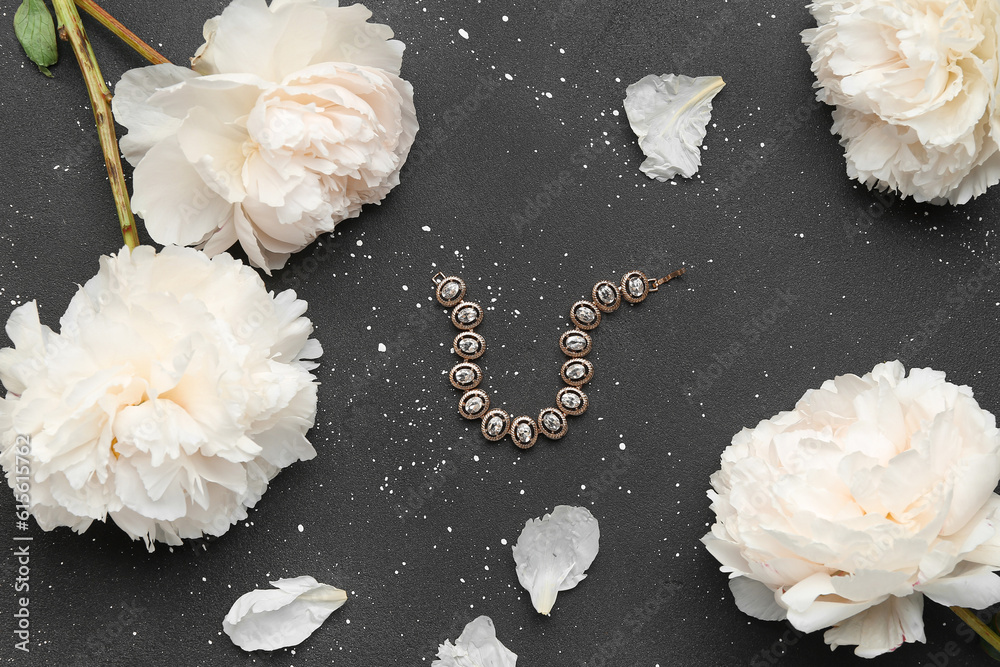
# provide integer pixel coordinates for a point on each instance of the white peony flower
(914, 83)
(872, 493)
(293, 118)
(176, 388)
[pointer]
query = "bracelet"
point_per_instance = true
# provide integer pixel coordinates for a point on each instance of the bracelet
(571, 401)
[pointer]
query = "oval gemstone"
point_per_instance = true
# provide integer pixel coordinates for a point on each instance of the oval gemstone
(494, 426)
(606, 293)
(636, 286)
(576, 343)
(450, 290)
(464, 375)
(474, 405)
(571, 400)
(524, 432)
(573, 372)
(585, 314)
(467, 315)
(551, 422)
(468, 345)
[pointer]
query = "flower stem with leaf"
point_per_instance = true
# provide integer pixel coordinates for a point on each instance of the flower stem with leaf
(100, 100)
(988, 636)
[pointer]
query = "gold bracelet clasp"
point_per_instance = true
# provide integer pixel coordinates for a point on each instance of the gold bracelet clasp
(654, 284)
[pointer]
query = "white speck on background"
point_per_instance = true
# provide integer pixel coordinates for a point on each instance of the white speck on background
(381, 347)
(463, 33)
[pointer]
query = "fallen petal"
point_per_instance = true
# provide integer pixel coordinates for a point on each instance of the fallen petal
(280, 617)
(477, 646)
(554, 552)
(669, 114)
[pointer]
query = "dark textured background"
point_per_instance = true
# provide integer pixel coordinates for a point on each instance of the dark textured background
(798, 275)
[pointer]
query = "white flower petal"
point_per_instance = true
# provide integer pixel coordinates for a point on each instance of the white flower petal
(975, 587)
(669, 114)
(31, 340)
(285, 616)
(250, 37)
(477, 646)
(178, 207)
(554, 552)
(882, 628)
(215, 150)
(755, 599)
(227, 96)
(148, 124)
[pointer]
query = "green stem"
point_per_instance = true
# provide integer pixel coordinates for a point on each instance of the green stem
(100, 101)
(126, 35)
(981, 628)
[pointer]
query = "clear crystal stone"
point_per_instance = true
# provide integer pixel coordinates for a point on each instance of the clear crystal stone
(523, 432)
(468, 345)
(450, 290)
(551, 422)
(574, 371)
(495, 425)
(474, 405)
(606, 294)
(467, 315)
(464, 376)
(636, 286)
(586, 314)
(576, 343)
(571, 400)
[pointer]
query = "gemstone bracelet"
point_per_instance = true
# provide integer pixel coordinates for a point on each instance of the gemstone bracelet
(575, 343)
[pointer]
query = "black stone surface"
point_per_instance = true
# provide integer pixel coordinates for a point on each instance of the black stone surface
(797, 275)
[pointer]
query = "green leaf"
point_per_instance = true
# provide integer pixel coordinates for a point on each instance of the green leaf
(995, 627)
(36, 31)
